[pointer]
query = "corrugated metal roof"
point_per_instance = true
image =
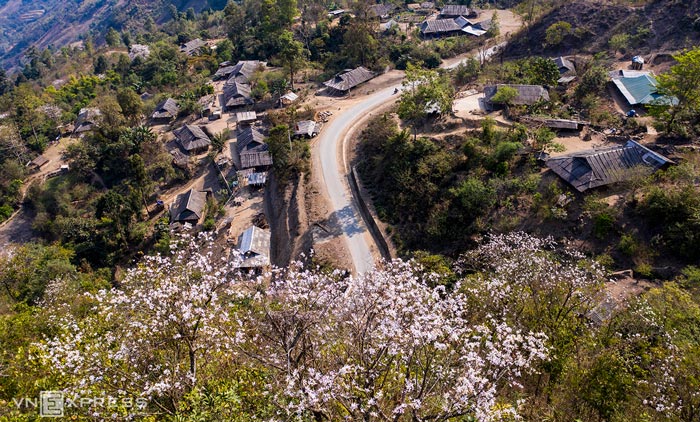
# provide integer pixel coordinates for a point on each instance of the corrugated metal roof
(640, 90)
(592, 168)
(472, 30)
(350, 79)
(246, 116)
(305, 128)
(257, 179)
(253, 248)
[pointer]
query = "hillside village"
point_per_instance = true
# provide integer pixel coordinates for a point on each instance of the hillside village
(285, 169)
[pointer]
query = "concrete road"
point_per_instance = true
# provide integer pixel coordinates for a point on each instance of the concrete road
(335, 169)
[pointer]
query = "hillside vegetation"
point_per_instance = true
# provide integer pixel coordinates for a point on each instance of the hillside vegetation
(64, 22)
(646, 27)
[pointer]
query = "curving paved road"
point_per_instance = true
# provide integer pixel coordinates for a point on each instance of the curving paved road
(331, 150)
(335, 169)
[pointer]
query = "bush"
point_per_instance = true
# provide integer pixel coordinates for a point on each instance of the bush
(603, 224)
(628, 245)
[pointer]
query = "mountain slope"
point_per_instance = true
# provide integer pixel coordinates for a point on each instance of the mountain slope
(660, 25)
(45, 23)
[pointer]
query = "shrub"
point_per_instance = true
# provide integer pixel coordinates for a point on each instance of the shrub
(603, 224)
(628, 245)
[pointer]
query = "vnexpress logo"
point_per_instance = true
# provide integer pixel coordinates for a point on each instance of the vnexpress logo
(51, 404)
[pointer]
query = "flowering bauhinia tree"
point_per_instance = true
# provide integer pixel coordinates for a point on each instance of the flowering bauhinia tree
(147, 337)
(385, 346)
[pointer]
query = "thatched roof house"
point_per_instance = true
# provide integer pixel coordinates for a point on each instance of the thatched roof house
(348, 79)
(88, 119)
(526, 94)
(243, 71)
(598, 167)
(188, 207)
(252, 149)
(192, 139)
(237, 94)
(455, 10)
(194, 47)
(166, 110)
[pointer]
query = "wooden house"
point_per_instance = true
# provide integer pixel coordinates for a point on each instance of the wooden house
(192, 139)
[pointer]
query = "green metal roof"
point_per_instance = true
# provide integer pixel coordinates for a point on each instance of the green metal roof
(640, 90)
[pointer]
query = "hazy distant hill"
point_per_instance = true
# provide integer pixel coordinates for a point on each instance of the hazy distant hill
(58, 22)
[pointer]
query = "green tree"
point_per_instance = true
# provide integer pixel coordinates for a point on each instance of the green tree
(495, 29)
(130, 103)
(505, 95)
(101, 65)
(25, 273)
(556, 32)
(543, 71)
(544, 140)
(113, 38)
(682, 82)
(424, 89)
(291, 53)
(619, 42)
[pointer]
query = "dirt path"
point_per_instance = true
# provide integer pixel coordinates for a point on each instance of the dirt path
(18, 228)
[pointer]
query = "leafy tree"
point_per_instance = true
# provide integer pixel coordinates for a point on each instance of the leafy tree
(101, 65)
(130, 103)
(495, 29)
(5, 84)
(556, 32)
(467, 70)
(592, 82)
(683, 83)
(113, 38)
(26, 270)
(291, 53)
(543, 71)
(619, 42)
(504, 95)
(360, 44)
(544, 140)
(424, 89)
